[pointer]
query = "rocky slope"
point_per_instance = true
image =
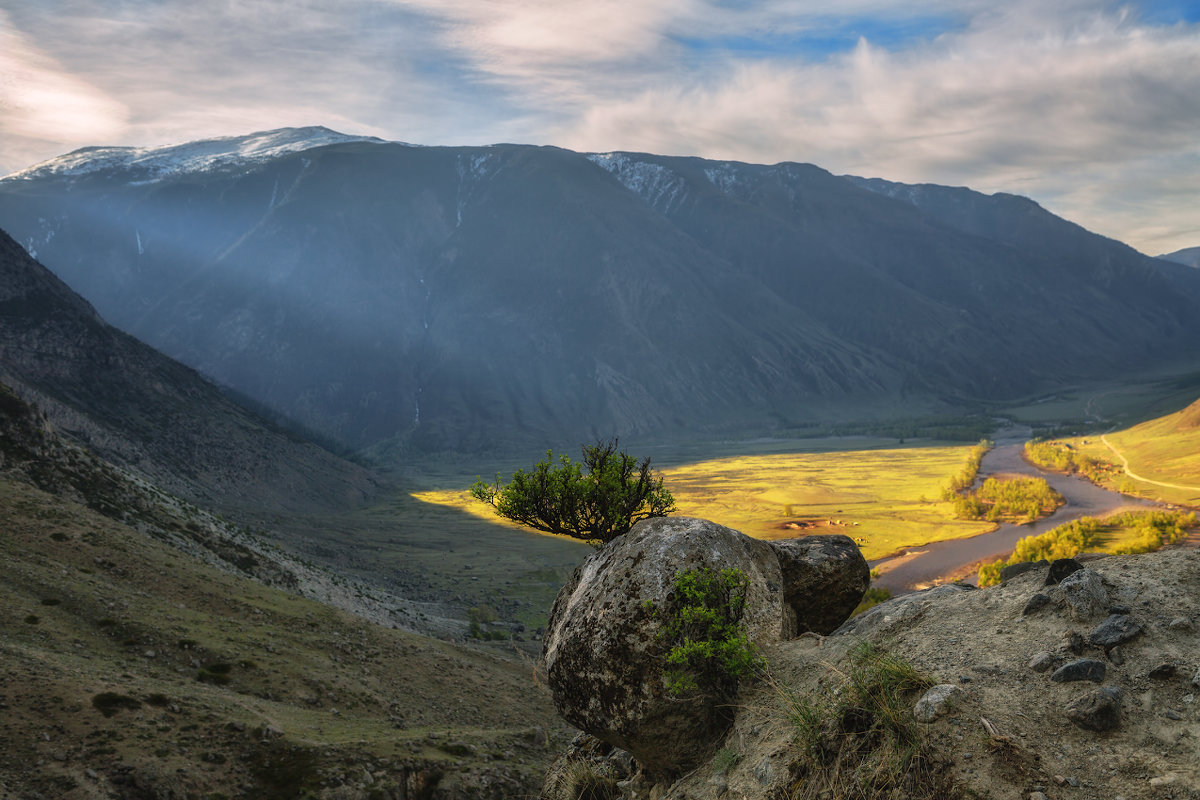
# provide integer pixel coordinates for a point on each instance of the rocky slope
(395, 297)
(1083, 689)
(138, 409)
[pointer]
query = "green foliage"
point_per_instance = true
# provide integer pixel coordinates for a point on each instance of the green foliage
(860, 740)
(1018, 499)
(596, 500)
(702, 626)
(966, 476)
(1151, 530)
(1062, 457)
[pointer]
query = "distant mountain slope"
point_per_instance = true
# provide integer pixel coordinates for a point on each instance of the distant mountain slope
(392, 296)
(1188, 256)
(139, 409)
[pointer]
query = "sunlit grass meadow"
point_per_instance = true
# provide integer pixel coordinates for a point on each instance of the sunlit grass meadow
(886, 499)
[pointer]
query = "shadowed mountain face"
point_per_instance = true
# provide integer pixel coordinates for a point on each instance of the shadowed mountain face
(391, 296)
(137, 408)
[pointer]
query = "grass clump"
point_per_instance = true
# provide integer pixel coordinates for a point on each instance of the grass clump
(708, 648)
(582, 781)
(109, 703)
(724, 760)
(860, 741)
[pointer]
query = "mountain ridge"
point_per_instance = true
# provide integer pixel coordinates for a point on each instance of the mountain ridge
(396, 298)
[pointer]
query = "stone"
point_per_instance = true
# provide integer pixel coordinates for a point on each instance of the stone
(1037, 796)
(604, 657)
(763, 771)
(1196, 679)
(1182, 624)
(1081, 669)
(1010, 571)
(1061, 568)
(1042, 661)
(1084, 593)
(1116, 655)
(824, 580)
(936, 702)
(1098, 710)
(1162, 672)
(1036, 603)
(1173, 714)
(1114, 630)
(1073, 642)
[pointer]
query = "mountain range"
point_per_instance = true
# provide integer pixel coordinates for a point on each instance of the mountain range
(391, 297)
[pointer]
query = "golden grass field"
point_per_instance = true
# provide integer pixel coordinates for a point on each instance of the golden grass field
(884, 498)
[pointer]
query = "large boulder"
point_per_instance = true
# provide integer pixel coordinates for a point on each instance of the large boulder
(824, 579)
(603, 653)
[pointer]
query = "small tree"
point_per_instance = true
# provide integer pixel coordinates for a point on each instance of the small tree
(596, 500)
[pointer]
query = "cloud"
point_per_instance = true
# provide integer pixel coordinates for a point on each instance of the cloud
(1083, 105)
(41, 100)
(1018, 101)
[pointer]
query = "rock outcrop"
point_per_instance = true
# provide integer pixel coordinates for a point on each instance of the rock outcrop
(603, 653)
(1007, 727)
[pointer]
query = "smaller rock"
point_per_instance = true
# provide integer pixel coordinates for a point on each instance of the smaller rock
(1182, 624)
(1173, 714)
(91, 773)
(1162, 671)
(1073, 642)
(1035, 604)
(1163, 780)
(1073, 782)
(1081, 669)
(936, 702)
(1196, 679)
(1084, 593)
(1061, 568)
(1098, 710)
(1116, 629)
(1013, 570)
(1116, 655)
(1118, 609)
(1037, 796)
(763, 771)
(1042, 661)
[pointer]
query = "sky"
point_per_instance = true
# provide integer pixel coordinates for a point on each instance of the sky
(1091, 108)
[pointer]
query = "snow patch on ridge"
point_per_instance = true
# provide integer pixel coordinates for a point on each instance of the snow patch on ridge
(659, 186)
(153, 163)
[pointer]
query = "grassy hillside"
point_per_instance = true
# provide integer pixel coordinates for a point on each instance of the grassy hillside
(1158, 459)
(129, 665)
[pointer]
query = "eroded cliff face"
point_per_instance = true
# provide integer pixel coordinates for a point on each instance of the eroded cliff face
(1083, 689)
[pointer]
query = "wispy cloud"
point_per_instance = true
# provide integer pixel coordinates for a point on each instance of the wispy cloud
(1087, 106)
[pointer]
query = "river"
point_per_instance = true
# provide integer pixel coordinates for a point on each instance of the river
(920, 567)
